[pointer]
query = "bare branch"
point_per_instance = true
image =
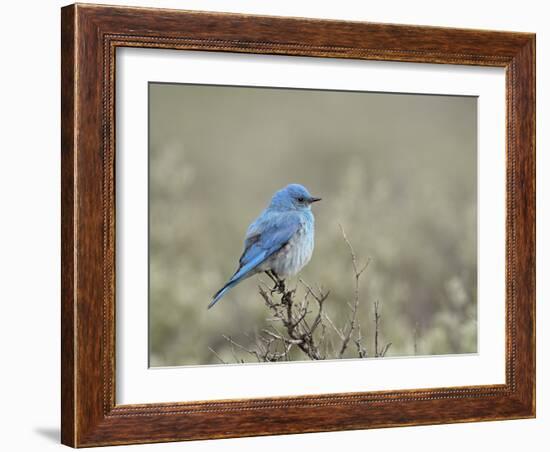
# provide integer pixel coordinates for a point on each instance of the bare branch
(299, 322)
(377, 352)
(282, 338)
(239, 346)
(217, 356)
(361, 350)
(334, 327)
(357, 273)
(385, 350)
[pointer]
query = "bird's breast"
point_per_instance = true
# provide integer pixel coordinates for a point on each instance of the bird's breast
(292, 257)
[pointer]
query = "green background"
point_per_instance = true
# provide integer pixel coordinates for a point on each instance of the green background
(398, 171)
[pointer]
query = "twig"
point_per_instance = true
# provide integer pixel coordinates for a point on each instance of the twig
(282, 338)
(217, 356)
(241, 347)
(296, 322)
(361, 350)
(357, 273)
(377, 352)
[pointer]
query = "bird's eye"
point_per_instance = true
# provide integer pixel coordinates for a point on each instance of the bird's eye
(301, 199)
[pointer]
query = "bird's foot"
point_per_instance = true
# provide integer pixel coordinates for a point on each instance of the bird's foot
(279, 284)
(279, 287)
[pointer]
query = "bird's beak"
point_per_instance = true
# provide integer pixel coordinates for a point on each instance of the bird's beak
(311, 200)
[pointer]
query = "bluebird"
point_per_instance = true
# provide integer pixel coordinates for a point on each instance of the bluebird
(280, 241)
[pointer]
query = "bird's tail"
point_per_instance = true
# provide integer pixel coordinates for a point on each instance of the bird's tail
(220, 293)
(242, 273)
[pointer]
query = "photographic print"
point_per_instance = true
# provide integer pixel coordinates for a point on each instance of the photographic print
(300, 224)
(276, 225)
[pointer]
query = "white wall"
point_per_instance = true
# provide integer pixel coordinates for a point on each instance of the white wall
(29, 263)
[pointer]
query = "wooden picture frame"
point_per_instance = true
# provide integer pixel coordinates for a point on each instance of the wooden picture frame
(90, 35)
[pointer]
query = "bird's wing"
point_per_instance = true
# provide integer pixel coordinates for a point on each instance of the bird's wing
(267, 235)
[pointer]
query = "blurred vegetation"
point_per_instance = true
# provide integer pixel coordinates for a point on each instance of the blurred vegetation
(399, 172)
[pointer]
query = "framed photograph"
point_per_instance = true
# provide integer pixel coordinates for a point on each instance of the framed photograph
(281, 225)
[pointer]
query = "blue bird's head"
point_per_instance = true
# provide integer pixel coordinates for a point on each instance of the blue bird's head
(293, 196)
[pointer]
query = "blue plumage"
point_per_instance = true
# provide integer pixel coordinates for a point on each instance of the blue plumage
(280, 240)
